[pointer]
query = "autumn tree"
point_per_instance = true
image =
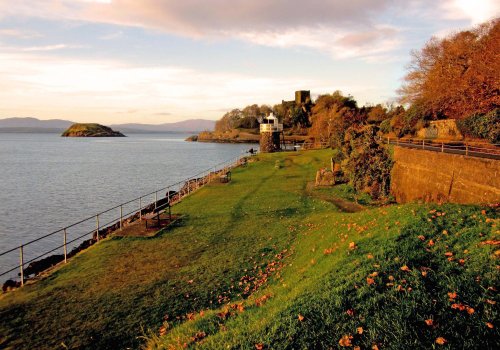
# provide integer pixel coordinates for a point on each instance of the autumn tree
(331, 115)
(228, 120)
(456, 76)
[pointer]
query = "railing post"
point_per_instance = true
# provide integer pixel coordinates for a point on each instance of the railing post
(466, 149)
(21, 264)
(121, 217)
(97, 226)
(65, 247)
(388, 141)
(168, 195)
(442, 147)
(423, 144)
(140, 208)
(189, 185)
(156, 198)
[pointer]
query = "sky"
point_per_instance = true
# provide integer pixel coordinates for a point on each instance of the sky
(160, 61)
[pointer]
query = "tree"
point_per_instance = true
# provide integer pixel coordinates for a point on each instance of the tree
(456, 76)
(332, 115)
(228, 121)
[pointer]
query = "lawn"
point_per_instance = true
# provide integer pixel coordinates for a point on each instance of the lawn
(265, 262)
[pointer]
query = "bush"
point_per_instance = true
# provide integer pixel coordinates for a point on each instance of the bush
(483, 126)
(368, 165)
(385, 126)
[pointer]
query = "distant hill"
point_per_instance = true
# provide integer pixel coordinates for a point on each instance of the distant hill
(191, 125)
(35, 125)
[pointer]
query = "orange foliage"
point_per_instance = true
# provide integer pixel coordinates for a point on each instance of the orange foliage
(456, 76)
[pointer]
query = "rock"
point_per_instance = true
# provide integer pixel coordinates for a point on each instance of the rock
(324, 178)
(192, 138)
(91, 130)
(38, 266)
(10, 285)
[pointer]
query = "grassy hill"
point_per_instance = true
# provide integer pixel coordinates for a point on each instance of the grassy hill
(90, 130)
(265, 262)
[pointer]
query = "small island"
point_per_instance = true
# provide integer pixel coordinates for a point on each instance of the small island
(90, 130)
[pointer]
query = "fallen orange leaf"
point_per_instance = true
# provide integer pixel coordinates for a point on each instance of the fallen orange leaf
(259, 346)
(491, 302)
(491, 242)
(490, 325)
(448, 254)
(369, 256)
(370, 280)
(374, 347)
(421, 237)
(431, 243)
(452, 295)
(460, 307)
(352, 246)
(345, 340)
(440, 341)
(359, 330)
(470, 310)
(405, 268)
(429, 322)
(301, 318)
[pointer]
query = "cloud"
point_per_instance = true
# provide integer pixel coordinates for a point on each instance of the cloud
(52, 47)
(112, 36)
(105, 87)
(315, 24)
(339, 44)
(475, 11)
(19, 34)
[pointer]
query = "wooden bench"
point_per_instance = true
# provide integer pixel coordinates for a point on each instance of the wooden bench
(225, 177)
(155, 214)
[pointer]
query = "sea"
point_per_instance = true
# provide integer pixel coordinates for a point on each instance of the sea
(48, 182)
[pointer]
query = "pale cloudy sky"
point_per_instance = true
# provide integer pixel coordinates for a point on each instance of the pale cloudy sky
(156, 61)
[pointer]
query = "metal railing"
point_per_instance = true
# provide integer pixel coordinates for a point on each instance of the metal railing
(271, 127)
(105, 222)
(476, 149)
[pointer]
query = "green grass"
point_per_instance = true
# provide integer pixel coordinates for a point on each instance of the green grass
(265, 234)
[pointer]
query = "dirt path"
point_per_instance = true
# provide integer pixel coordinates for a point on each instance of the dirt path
(342, 204)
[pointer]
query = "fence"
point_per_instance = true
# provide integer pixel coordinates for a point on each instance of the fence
(292, 146)
(105, 222)
(476, 149)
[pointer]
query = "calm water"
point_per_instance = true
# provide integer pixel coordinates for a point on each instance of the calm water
(48, 182)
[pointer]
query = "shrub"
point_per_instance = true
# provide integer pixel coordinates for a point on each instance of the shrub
(385, 126)
(368, 164)
(484, 126)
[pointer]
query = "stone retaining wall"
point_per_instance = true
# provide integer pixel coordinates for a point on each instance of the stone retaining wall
(428, 176)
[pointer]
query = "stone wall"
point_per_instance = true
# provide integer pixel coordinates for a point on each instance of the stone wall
(440, 177)
(269, 142)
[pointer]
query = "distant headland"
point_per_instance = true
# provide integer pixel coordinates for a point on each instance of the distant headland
(90, 130)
